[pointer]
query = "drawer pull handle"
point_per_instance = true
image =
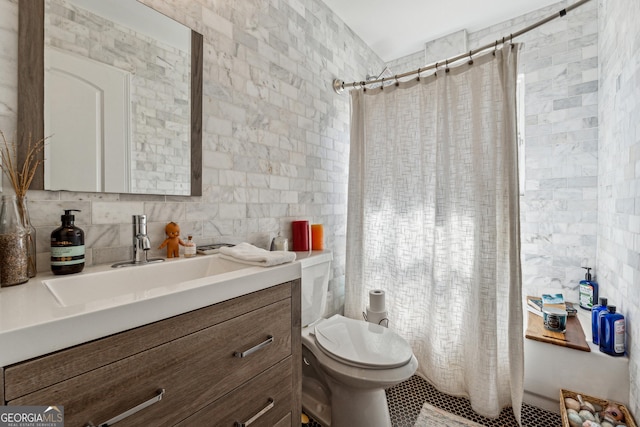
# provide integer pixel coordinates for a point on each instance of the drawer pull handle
(246, 353)
(264, 410)
(128, 413)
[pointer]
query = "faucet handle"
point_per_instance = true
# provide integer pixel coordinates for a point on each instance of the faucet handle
(139, 219)
(139, 224)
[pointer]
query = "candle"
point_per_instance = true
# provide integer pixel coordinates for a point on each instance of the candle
(300, 233)
(317, 237)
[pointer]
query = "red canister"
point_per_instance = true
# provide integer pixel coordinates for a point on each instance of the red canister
(300, 234)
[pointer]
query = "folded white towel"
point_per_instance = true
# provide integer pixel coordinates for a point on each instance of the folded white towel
(248, 254)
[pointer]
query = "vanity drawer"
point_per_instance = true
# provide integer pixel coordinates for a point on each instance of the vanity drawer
(266, 400)
(35, 374)
(194, 370)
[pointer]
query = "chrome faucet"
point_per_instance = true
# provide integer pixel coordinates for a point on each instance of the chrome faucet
(141, 244)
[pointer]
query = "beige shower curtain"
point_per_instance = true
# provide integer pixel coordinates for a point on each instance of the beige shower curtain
(433, 219)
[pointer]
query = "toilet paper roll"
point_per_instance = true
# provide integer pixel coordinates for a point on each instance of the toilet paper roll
(376, 300)
(377, 317)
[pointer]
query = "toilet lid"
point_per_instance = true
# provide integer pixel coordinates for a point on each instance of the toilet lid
(359, 343)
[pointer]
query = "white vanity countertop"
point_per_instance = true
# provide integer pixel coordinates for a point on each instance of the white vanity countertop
(33, 322)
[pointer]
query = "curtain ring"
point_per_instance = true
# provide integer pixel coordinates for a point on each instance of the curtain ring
(470, 58)
(495, 48)
(382, 84)
(446, 65)
(397, 82)
(435, 73)
(418, 78)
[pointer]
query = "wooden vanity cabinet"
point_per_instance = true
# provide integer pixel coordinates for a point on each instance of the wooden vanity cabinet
(228, 363)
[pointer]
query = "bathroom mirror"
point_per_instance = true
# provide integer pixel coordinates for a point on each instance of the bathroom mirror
(157, 107)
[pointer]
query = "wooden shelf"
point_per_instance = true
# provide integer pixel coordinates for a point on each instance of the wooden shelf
(573, 337)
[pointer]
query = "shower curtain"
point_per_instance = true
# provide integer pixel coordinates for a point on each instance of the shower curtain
(433, 220)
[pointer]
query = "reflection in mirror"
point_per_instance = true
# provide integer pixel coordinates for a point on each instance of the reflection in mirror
(116, 99)
(122, 105)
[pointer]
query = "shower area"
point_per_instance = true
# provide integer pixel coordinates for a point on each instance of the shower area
(558, 129)
(556, 94)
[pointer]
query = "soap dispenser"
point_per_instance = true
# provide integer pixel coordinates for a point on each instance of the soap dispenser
(67, 246)
(588, 292)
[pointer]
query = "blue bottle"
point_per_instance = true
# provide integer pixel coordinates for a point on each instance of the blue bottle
(588, 291)
(595, 311)
(612, 332)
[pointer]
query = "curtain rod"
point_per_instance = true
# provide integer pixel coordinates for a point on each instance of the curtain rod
(339, 85)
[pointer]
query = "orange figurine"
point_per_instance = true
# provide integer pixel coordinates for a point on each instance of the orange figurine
(172, 242)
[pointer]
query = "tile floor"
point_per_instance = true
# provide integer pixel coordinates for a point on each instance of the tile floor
(406, 400)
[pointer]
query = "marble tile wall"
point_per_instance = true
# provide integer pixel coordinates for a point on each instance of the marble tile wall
(8, 66)
(275, 143)
(435, 50)
(619, 172)
(559, 61)
(559, 204)
(408, 62)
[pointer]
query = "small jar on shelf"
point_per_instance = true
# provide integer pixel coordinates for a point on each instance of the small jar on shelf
(189, 247)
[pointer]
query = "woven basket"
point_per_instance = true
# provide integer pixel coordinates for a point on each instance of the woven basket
(628, 418)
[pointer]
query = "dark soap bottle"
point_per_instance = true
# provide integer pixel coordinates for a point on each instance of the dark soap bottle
(67, 246)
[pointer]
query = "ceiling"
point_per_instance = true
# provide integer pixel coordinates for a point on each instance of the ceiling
(400, 27)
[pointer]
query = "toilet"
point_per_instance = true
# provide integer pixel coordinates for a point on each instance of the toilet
(347, 363)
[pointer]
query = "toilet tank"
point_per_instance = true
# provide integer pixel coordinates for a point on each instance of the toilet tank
(315, 272)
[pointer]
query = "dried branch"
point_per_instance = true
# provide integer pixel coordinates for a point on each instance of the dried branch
(20, 176)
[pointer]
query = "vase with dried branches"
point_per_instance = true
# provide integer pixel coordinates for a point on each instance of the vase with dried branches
(20, 176)
(13, 245)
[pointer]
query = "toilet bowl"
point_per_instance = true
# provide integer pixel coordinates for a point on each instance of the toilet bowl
(347, 363)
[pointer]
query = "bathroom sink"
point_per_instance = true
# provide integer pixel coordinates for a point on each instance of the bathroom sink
(139, 282)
